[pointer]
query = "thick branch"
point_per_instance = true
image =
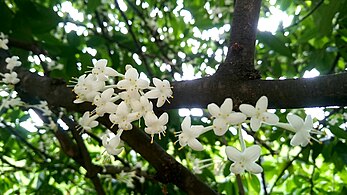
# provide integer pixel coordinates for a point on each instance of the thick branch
(239, 62)
(329, 90)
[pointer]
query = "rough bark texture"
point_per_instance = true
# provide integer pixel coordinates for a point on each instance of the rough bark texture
(329, 90)
(239, 63)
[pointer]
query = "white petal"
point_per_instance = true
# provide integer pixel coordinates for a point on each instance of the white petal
(233, 154)
(254, 168)
(164, 118)
(110, 107)
(252, 153)
(195, 145)
(166, 83)
(123, 84)
(114, 142)
(227, 106)
(111, 72)
(261, 104)
(236, 118)
(296, 140)
(213, 109)
(300, 138)
(195, 130)
(113, 151)
(93, 124)
(236, 168)
(152, 94)
(186, 123)
(142, 84)
(269, 118)
(308, 123)
(182, 139)
(157, 82)
(107, 94)
(78, 101)
(101, 62)
(295, 121)
(255, 124)
(122, 109)
(247, 109)
(133, 116)
(132, 73)
(220, 126)
(160, 101)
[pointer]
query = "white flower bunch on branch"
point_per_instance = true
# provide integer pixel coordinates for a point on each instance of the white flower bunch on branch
(224, 117)
(124, 102)
(11, 78)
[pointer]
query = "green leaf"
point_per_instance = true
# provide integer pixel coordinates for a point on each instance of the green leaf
(95, 41)
(6, 18)
(284, 4)
(92, 5)
(338, 132)
(73, 39)
(255, 183)
(274, 43)
(323, 17)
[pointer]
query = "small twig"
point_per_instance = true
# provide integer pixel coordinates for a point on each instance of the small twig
(311, 178)
(307, 15)
(138, 45)
(240, 185)
(283, 170)
(261, 142)
(264, 182)
(22, 139)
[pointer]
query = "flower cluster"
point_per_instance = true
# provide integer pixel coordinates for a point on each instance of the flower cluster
(3, 41)
(124, 102)
(223, 117)
(11, 78)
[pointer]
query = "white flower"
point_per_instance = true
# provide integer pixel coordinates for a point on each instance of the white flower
(198, 165)
(141, 106)
(12, 102)
(127, 178)
(189, 134)
(259, 114)
(43, 106)
(10, 78)
(224, 116)
(131, 81)
(345, 116)
(111, 142)
(301, 128)
(129, 97)
(87, 122)
(123, 117)
(102, 72)
(333, 121)
(104, 102)
(12, 62)
(244, 160)
(3, 41)
(156, 125)
(162, 91)
(87, 88)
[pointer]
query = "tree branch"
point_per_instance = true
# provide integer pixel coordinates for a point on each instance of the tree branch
(329, 90)
(239, 62)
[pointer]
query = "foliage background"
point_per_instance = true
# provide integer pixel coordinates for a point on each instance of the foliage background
(169, 40)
